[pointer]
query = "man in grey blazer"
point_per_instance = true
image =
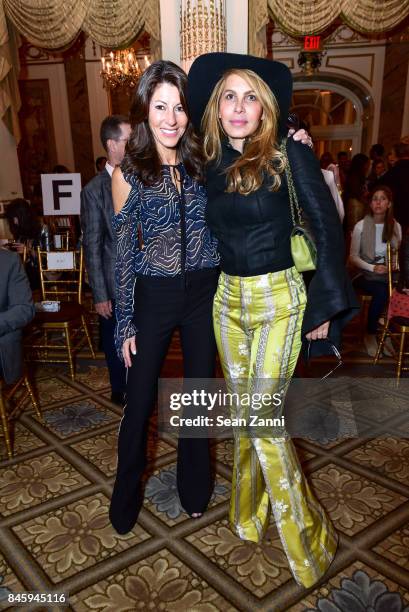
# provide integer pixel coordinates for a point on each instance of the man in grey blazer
(99, 244)
(16, 311)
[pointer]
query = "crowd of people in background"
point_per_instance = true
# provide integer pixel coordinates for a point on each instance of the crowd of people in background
(375, 195)
(355, 184)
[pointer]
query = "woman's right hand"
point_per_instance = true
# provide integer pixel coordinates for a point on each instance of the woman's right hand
(128, 347)
(380, 269)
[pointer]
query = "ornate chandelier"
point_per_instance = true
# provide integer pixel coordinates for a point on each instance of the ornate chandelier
(120, 69)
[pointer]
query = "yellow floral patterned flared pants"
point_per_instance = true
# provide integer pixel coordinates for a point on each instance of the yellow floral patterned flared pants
(257, 323)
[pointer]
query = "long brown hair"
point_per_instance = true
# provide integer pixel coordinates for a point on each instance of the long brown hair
(261, 155)
(141, 155)
(389, 222)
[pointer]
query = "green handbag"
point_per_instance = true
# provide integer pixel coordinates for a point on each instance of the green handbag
(303, 249)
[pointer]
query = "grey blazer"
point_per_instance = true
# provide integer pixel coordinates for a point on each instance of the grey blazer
(16, 310)
(99, 240)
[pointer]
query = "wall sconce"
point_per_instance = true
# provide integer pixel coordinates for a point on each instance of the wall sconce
(310, 61)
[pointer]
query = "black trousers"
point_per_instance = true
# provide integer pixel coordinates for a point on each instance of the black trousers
(116, 368)
(161, 305)
(380, 296)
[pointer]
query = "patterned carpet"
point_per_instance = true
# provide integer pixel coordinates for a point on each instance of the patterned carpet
(55, 534)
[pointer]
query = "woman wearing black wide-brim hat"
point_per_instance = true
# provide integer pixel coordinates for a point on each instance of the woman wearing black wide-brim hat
(262, 311)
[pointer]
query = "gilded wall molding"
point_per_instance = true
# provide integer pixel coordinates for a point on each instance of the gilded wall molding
(347, 68)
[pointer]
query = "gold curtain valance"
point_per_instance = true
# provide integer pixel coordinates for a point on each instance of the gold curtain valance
(314, 16)
(53, 24)
(375, 15)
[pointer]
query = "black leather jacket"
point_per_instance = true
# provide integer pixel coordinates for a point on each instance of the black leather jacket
(254, 234)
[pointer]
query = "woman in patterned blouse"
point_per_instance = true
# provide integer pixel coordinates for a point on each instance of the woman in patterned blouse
(166, 277)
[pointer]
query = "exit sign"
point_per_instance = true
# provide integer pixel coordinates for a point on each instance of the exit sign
(312, 43)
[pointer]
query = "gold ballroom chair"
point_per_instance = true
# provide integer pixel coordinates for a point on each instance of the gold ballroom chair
(8, 409)
(394, 329)
(56, 336)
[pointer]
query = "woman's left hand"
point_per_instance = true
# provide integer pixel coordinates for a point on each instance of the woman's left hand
(319, 333)
(301, 135)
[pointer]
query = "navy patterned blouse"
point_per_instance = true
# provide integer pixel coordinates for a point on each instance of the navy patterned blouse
(160, 232)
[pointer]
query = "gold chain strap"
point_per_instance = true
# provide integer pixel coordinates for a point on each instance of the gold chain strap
(294, 206)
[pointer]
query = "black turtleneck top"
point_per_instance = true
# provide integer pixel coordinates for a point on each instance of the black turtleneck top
(253, 231)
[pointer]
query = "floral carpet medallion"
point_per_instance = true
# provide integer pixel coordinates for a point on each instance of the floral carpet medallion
(352, 501)
(161, 491)
(161, 582)
(75, 418)
(100, 450)
(75, 537)
(258, 567)
(54, 514)
(389, 456)
(35, 481)
(361, 593)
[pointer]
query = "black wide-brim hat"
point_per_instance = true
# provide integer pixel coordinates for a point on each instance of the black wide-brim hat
(209, 68)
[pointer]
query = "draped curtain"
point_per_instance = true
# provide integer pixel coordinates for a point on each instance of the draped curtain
(9, 68)
(258, 19)
(303, 17)
(314, 16)
(54, 24)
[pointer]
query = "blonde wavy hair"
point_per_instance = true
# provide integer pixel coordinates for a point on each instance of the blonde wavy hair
(261, 155)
